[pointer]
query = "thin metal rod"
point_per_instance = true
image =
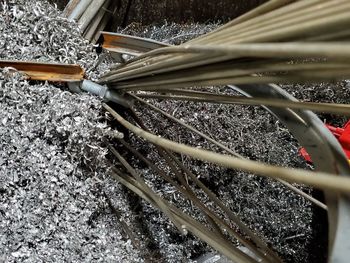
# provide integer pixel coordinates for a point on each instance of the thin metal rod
(299, 77)
(224, 71)
(320, 180)
(159, 202)
(188, 223)
(234, 218)
(291, 187)
(191, 196)
(303, 194)
(274, 11)
(253, 235)
(182, 123)
(255, 13)
(343, 109)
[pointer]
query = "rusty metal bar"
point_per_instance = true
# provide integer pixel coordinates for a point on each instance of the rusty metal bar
(130, 45)
(46, 71)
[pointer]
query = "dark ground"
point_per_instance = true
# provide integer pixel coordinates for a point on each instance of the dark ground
(178, 11)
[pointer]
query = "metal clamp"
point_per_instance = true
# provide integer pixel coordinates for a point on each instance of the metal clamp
(103, 92)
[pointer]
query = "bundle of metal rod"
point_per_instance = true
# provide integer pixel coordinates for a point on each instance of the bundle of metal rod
(280, 43)
(258, 247)
(200, 96)
(184, 222)
(92, 16)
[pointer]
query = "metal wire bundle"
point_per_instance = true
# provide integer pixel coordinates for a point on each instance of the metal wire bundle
(279, 42)
(251, 51)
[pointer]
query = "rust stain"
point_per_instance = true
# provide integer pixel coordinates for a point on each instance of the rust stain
(46, 71)
(111, 40)
(129, 44)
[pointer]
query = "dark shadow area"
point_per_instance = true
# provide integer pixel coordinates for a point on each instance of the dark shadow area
(178, 11)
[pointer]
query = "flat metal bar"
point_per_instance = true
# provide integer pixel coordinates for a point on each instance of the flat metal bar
(46, 71)
(130, 45)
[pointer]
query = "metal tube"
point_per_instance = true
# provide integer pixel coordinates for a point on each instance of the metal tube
(104, 93)
(98, 23)
(70, 7)
(80, 9)
(90, 13)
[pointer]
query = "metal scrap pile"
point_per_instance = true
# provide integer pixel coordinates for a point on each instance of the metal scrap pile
(37, 31)
(54, 190)
(52, 160)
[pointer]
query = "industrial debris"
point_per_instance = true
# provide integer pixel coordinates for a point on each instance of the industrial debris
(59, 202)
(52, 155)
(53, 173)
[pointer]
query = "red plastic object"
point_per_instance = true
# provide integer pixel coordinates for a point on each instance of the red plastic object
(305, 155)
(343, 136)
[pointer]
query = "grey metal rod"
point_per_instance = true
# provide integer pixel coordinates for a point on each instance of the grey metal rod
(80, 9)
(90, 13)
(106, 94)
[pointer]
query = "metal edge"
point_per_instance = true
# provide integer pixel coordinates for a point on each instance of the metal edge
(126, 44)
(326, 154)
(46, 71)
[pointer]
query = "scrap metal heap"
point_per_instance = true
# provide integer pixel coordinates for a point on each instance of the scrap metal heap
(59, 198)
(52, 155)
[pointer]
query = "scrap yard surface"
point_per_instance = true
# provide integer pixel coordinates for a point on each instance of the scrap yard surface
(59, 201)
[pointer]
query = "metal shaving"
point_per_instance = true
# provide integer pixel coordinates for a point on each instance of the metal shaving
(57, 205)
(283, 218)
(34, 30)
(168, 32)
(52, 156)
(52, 175)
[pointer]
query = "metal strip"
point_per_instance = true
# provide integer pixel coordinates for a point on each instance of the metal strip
(129, 45)
(46, 71)
(327, 155)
